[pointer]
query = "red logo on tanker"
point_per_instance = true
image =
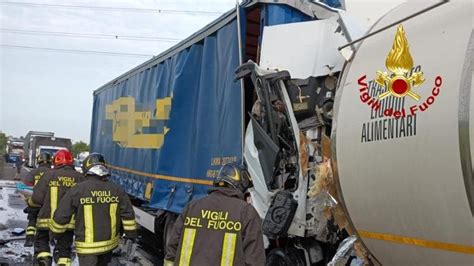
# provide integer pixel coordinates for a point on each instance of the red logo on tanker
(400, 80)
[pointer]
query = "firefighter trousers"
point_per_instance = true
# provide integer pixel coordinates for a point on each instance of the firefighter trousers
(97, 260)
(62, 248)
(32, 216)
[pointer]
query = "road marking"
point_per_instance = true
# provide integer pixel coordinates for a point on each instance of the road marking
(418, 242)
(27, 169)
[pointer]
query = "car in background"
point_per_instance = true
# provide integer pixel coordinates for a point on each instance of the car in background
(79, 159)
(78, 165)
(11, 158)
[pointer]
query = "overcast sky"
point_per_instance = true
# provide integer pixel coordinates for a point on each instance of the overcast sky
(48, 90)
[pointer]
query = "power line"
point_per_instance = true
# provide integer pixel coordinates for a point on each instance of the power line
(90, 35)
(74, 51)
(127, 9)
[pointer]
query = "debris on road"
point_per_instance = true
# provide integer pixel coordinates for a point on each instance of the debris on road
(18, 231)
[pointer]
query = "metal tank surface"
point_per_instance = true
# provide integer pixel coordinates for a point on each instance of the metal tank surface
(404, 158)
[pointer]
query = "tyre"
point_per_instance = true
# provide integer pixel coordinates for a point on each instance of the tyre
(284, 257)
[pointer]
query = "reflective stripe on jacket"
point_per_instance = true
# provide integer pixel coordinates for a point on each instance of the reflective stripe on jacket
(101, 209)
(219, 229)
(50, 189)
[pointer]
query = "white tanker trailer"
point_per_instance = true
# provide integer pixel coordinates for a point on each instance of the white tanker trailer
(401, 139)
(407, 182)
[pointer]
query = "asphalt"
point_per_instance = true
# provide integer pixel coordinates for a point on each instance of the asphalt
(9, 171)
(12, 217)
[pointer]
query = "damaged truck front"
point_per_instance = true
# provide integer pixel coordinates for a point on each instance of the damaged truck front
(288, 146)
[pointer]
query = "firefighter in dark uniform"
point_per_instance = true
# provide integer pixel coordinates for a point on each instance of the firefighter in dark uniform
(48, 193)
(31, 179)
(221, 228)
(101, 209)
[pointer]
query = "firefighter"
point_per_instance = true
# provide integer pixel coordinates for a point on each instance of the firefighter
(47, 193)
(31, 179)
(221, 228)
(18, 164)
(101, 209)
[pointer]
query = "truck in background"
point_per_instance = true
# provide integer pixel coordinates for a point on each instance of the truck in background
(37, 142)
(15, 146)
(14, 150)
(28, 141)
(168, 125)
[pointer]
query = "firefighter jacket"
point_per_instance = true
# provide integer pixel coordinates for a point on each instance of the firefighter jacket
(49, 191)
(101, 209)
(35, 175)
(219, 229)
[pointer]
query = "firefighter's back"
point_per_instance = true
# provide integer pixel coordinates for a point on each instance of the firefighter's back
(98, 214)
(213, 229)
(54, 185)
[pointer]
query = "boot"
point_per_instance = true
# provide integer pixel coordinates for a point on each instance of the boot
(45, 261)
(64, 262)
(30, 239)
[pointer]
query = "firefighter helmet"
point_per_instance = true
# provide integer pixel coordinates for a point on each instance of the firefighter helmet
(95, 164)
(44, 158)
(61, 158)
(235, 176)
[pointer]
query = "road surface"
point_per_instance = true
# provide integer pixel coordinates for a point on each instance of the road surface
(9, 171)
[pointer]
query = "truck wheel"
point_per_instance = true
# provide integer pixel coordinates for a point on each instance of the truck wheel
(282, 257)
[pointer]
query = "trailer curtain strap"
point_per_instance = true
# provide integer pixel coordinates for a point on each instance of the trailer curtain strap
(163, 177)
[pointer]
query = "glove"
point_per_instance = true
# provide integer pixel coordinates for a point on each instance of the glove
(168, 263)
(25, 210)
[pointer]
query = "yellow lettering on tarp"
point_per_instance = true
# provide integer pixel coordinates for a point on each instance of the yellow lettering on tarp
(223, 160)
(212, 173)
(226, 160)
(219, 161)
(129, 124)
(216, 161)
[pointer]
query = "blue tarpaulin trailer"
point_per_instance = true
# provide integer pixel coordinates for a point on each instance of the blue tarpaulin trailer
(167, 126)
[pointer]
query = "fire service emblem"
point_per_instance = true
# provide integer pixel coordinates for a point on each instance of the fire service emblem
(398, 81)
(400, 63)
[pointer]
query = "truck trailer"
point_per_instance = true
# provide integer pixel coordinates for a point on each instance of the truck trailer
(344, 151)
(28, 142)
(36, 143)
